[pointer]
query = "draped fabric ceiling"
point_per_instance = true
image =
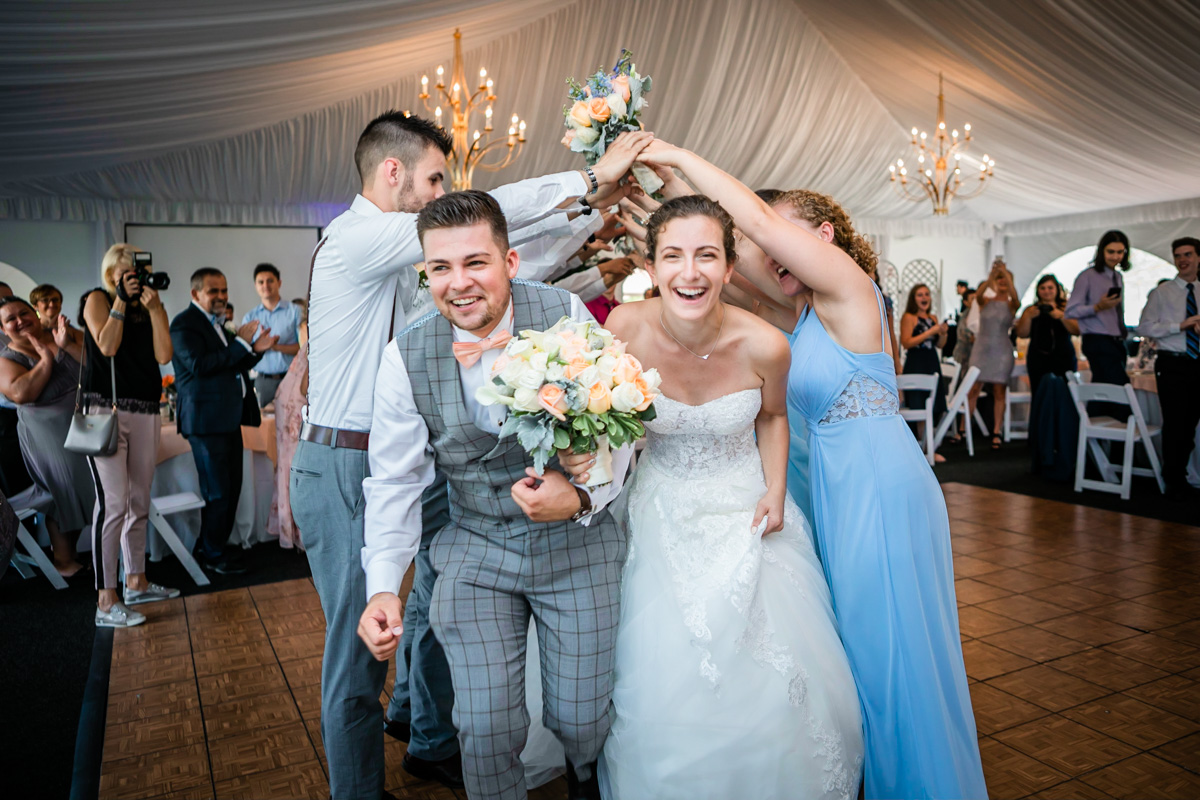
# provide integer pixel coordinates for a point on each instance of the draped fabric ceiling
(247, 112)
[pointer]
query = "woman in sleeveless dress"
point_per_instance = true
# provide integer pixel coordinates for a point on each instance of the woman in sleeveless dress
(993, 350)
(878, 511)
(731, 680)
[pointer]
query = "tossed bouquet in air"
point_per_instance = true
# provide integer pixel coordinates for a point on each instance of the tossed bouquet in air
(572, 386)
(606, 105)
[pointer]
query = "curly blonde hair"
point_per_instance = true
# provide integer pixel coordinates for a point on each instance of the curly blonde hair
(818, 208)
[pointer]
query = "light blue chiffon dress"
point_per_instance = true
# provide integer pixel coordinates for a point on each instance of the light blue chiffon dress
(884, 535)
(797, 470)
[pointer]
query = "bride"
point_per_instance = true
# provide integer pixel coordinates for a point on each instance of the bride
(731, 680)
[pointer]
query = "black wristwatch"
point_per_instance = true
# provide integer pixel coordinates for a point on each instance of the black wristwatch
(585, 505)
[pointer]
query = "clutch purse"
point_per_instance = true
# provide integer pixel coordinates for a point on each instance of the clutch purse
(93, 434)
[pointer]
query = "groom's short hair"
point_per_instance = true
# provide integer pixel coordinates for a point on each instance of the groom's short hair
(461, 210)
(397, 135)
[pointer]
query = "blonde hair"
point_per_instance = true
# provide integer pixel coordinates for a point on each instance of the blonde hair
(118, 255)
(818, 208)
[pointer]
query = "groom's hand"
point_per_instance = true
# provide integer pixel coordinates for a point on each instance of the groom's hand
(548, 498)
(381, 624)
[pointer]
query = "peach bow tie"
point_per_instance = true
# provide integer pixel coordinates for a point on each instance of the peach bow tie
(469, 353)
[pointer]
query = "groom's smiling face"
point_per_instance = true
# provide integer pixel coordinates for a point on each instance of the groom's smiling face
(468, 275)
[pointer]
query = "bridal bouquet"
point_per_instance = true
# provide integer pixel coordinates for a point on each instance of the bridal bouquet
(606, 105)
(571, 386)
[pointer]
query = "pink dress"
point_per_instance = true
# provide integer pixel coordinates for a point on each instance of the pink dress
(289, 404)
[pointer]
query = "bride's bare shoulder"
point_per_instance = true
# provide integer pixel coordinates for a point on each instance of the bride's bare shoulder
(627, 319)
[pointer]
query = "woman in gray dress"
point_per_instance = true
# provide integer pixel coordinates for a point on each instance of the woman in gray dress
(993, 350)
(38, 371)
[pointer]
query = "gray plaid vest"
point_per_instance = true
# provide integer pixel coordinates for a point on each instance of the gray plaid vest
(480, 467)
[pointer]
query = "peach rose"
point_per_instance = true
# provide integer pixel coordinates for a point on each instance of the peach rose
(597, 109)
(628, 369)
(599, 398)
(579, 114)
(554, 400)
(620, 85)
(645, 390)
(567, 137)
(576, 366)
(502, 361)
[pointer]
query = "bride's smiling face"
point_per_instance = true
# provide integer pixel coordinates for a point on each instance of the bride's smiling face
(690, 266)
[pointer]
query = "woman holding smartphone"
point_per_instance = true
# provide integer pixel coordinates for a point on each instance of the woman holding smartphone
(1096, 303)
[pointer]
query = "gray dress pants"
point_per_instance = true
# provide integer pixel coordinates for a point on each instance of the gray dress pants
(328, 504)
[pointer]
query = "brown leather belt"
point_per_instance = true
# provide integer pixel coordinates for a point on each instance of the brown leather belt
(335, 437)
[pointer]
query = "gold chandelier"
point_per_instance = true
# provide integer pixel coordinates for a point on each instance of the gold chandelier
(938, 173)
(470, 151)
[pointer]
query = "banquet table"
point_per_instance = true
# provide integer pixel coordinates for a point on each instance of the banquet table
(176, 472)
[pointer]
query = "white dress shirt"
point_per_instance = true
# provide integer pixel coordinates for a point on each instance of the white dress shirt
(364, 266)
(402, 462)
(1166, 307)
(588, 284)
(219, 327)
(544, 257)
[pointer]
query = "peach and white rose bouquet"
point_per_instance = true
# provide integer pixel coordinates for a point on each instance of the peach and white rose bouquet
(603, 107)
(571, 386)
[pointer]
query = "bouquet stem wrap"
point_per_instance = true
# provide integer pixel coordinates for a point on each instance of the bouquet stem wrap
(601, 472)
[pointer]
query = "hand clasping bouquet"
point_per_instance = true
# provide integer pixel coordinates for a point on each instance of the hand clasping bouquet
(572, 386)
(604, 107)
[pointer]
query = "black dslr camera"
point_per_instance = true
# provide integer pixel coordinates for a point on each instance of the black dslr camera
(157, 281)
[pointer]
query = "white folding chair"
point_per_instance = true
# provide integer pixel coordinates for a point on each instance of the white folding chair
(951, 371)
(1074, 377)
(173, 504)
(921, 383)
(958, 407)
(1093, 430)
(1020, 428)
(31, 506)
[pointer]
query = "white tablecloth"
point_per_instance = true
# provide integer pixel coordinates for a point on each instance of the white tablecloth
(178, 474)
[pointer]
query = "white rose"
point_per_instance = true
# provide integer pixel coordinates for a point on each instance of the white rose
(607, 366)
(617, 104)
(653, 379)
(555, 372)
(526, 400)
(584, 136)
(588, 377)
(539, 361)
(531, 379)
(512, 372)
(627, 397)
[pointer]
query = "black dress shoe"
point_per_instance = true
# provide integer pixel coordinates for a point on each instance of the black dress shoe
(582, 788)
(223, 564)
(447, 772)
(397, 729)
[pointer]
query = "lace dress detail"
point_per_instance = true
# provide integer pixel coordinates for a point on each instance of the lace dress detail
(694, 495)
(863, 397)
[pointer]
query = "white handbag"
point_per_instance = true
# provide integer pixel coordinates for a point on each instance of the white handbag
(93, 434)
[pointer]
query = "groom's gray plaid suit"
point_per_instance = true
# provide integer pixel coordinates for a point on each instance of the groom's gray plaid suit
(495, 567)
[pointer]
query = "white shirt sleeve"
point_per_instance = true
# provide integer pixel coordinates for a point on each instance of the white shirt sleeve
(601, 496)
(1154, 322)
(545, 257)
(401, 468)
(529, 201)
(376, 245)
(588, 284)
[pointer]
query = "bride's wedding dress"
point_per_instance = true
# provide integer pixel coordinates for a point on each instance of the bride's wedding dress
(731, 680)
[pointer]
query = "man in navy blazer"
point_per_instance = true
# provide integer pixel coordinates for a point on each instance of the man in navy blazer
(214, 391)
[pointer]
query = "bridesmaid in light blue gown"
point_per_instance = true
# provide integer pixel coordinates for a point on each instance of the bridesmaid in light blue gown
(878, 511)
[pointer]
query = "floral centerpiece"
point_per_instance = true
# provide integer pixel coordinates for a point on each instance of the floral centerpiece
(606, 105)
(166, 403)
(572, 386)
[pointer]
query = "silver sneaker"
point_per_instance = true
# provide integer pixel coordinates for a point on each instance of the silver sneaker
(118, 617)
(151, 594)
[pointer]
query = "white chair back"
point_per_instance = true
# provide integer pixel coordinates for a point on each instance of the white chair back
(958, 406)
(1094, 430)
(917, 383)
(951, 371)
(921, 383)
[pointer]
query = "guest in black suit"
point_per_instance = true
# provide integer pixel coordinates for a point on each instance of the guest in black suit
(211, 362)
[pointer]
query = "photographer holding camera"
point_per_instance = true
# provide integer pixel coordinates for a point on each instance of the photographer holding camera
(1049, 331)
(126, 334)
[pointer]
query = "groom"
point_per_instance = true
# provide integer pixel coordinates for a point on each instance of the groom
(516, 544)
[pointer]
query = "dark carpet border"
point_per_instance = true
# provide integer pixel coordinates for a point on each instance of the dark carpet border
(89, 739)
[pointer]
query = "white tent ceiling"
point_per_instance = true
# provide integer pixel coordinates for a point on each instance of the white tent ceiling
(227, 111)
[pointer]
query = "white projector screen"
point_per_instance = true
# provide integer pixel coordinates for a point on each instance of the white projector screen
(179, 250)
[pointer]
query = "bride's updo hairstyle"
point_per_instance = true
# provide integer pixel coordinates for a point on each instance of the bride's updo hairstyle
(692, 205)
(818, 208)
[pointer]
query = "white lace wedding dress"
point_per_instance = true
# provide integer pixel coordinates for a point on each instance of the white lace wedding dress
(731, 680)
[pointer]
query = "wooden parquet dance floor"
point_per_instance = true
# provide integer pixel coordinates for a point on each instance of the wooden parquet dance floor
(1081, 633)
